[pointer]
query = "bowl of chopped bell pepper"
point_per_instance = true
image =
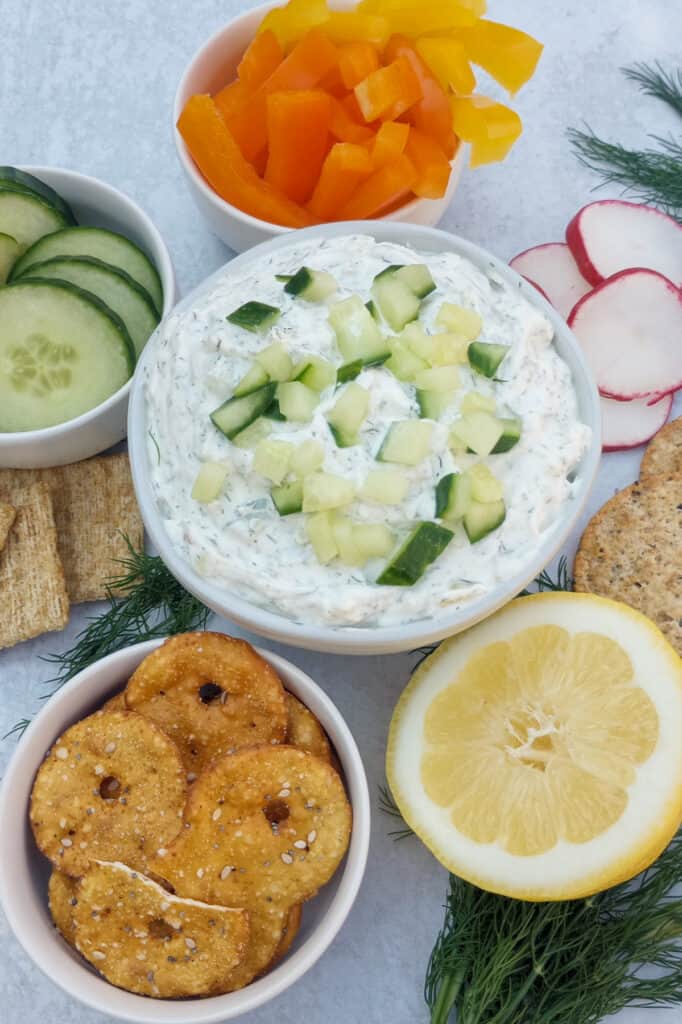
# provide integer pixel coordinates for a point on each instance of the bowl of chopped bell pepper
(312, 112)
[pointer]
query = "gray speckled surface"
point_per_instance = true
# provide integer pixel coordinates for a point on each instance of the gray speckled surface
(89, 85)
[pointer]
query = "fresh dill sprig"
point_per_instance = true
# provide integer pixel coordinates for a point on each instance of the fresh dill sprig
(655, 81)
(388, 806)
(563, 579)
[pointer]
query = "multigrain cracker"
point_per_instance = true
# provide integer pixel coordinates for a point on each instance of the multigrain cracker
(33, 598)
(630, 552)
(94, 510)
(112, 786)
(7, 516)
(145, 940)
(211, 693)
(62, 898)
(304, 731)
(664, 452)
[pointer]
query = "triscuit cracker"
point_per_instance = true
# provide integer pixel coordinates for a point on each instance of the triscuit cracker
(33, 598)
(664, 452)
(62, 898)
(304, 731)
(111, 787)
(145, 940)
(630, 552)
(94, 506)
(7, 516)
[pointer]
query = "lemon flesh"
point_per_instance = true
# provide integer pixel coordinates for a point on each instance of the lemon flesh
(539, 755)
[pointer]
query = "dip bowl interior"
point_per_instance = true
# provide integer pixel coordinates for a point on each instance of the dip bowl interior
(25, 872)
(393, 638)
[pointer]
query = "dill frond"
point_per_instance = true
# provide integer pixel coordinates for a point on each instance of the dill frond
(653, 80)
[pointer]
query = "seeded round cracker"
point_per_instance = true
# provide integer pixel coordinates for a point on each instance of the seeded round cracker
(304, 731)
(62, 898)
(289, 933)
(630, 552)
(663, 454)
(147, 941)
(211, 694)
(112, 786)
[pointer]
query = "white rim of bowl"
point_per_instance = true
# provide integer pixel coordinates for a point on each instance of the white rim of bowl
(357, 639)
(165, 272)
(352, 868)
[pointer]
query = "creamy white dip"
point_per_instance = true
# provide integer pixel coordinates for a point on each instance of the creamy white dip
(241, 543)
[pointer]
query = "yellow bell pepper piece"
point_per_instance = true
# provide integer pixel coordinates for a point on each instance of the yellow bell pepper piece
(351, 27)
(448, 60)
(506, 53)
(291, 22)
(475, 8)
(490, 127)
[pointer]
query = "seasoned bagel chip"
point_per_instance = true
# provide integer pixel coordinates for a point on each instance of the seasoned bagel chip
(62, 898)
(304, 731)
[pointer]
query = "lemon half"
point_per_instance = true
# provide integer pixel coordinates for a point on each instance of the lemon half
(539, 754)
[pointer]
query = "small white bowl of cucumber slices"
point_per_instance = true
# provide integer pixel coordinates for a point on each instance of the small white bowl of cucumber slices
(85, 278)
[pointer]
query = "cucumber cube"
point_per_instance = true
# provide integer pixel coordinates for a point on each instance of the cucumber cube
(237, 413)
(254, 316)
(385, 486)
(272, 458)
(306, 458)
(485, 359)
(344, 537)
(432, 404)
(485, 487)
(311, 285)
(474, 401)
(373, 540)
(276, 361)
(465, 322)
(254, 433)
(316, 373)
(442, 378)
(397, 303)
(323, 491)
(482, 518)
(349, 371)
(404, 364)
(418, 279)
(209, 481)
(407, 442)
(321, 536)
(418, 341)
(357, 334)
(479, 431)
(348, 414)
(371, 306)
(449, 349)
(453, 496)
(297, 401)
(511, 434)
(254, 379)
(423, 546)
(288, 498)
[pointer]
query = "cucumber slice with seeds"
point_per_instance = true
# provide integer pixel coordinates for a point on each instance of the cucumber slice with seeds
(288, 498)
(453, 496)
(511, 434)
(311, 285)
(15, 178)
(398, 304)
(254, 316)
(253, 380)
(407, 442)
(26, 217)
(62, 351)
(481, 519)
(423, 546)
(9, 252)
(484, 358)
(237, 413)
(357, 334)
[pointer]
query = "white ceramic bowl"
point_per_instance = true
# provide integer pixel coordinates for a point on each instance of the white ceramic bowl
(209, 69)
(379, 639)
(24, 874)
(94, 203)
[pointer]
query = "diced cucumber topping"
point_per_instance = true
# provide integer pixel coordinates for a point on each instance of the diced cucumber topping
(404, 364)
(236, 414)
(273, 411)
(283, 278)
(443, 378)
(276, 361)
(348, 414)
(418, 279)
(398, 305)
(288, 498)
(407, 442)
(485, 486)
(485, 359)
(311, 285)
(357, 334)
(349, 371)
(297, 401)
(474, 401)
(465, 322)
(453, 496)
(9, 251)
(432, 404)
(357, 543)
(254, 379)
(254, 316)
(316, 373)
(424, 545)
(323, 491)
(373, 311)
(345, 541)
(209, 481)
(478, 431)
(449, 349)
(511, 434)
(418, 341)
(385, 486)
(481, 519)
(321, 536)
(254, 433)
(389, 271)
(271, 459)
(307, 457)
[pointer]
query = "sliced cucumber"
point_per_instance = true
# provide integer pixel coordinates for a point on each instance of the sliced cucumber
(344, 538)
(418, 279)
(9, 251)
(403, 363)
(288, 498)
(321, 536)
(324, 491)
(465, 322)
(357, 543)
(385, 486)
(316, 373)
(311, 285)
(424, 545)
(511, 434)
(481, 519)
(308, 456)
(389, 271)
(485, 359)
(252, 380)
(13, 177)
(418, 341)
(432, 404)
(276, 361)
(296, 401)
(348, 414)
(113, 286)
(104, 245)
(254, 316)
(272, 458)
(397, 303)
(480, 431)
(237, 413)
(474, 401)
(209, 482)
(453, 496)
(251, 435)
(357, 334)
(448, 349)
(407, 442)
(62, 352)
(442, 378)
(349, 371)
(485, 486)
(371, 306)
(273, 411)
(26, 217)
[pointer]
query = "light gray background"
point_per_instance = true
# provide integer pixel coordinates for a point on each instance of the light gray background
(89, 85)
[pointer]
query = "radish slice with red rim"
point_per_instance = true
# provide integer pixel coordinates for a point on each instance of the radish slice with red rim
(537, 288)
(630, 329)
(629, 424)
(612, 235)
(554, 272)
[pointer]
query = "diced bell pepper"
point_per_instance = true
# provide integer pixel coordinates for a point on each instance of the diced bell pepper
(387, 186)
(298, 135)
(388, 92)
(388, 143)
(352, 26)
(344, 169)
(414, 18)
(232, 98)
(448, 60)
(431, 164)
(431, 114)
(356, 61)
(291, 22)
(263, 54)
(506, 53)
(490, 127)
(344, 127)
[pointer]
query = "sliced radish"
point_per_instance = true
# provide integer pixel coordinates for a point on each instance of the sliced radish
(537, 287)
(552, 269)
(629, 424)
(612, 235)
(630, 329)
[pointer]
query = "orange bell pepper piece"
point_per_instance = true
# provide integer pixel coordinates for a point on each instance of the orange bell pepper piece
(506, 53)
(291, 22)
(232, 98)
(388, 92)
(432, 166)
(298, 136)
(388, 143)
(490, 127)
(344, 169)
(352, 26)
(307, 64)
(261, 57)
(346, 128)
(333, 84)
(356, 61)
(218, 157)
(385, 187)
(448, 60)
(431, 114)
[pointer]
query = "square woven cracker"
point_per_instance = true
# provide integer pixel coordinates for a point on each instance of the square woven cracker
(7, 517)
(34, 598)
(94, 506)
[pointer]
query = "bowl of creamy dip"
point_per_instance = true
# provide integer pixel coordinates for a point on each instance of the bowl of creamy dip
(413, 436)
